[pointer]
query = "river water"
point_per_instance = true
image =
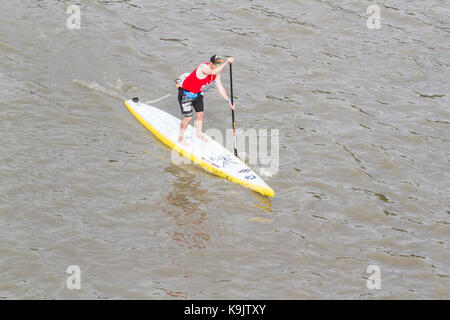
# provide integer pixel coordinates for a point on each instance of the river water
(363, 176)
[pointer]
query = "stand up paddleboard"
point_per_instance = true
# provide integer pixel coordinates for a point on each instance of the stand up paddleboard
(210, 155)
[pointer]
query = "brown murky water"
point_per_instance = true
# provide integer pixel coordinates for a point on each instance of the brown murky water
(363, 178)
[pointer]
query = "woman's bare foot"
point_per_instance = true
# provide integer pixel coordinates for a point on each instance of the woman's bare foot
(202, 137)
(182, 141)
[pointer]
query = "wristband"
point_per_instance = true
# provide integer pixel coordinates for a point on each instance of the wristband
(229, 100)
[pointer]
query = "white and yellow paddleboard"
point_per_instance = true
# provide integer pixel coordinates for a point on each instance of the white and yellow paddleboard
(210, 155)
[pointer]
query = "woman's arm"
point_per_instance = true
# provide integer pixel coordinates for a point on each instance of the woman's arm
(223, 92)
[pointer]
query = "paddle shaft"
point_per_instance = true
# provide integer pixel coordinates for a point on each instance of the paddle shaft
(232, 111)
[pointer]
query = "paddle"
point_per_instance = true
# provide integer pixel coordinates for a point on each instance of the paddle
(232, 111)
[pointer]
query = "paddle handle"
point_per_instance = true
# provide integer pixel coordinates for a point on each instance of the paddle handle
(232, 111)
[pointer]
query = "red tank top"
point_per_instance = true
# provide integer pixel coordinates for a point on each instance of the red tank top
(196, 85)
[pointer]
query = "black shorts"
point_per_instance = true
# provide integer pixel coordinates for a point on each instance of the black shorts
(187, 104)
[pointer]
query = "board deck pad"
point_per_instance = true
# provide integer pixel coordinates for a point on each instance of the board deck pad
(210, 155)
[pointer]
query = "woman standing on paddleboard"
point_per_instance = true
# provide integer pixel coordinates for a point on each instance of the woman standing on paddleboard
(192, 88)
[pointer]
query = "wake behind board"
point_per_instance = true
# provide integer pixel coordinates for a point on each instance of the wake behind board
(210, 155)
